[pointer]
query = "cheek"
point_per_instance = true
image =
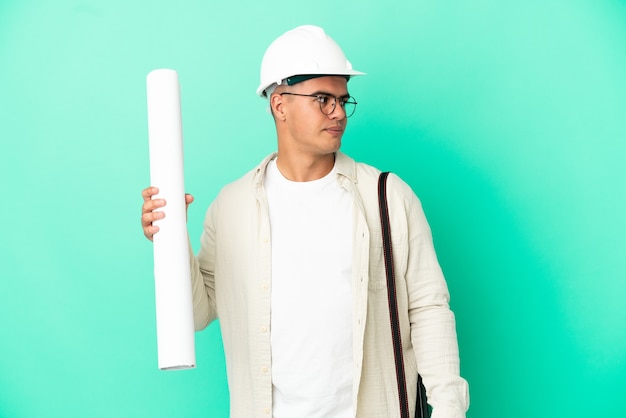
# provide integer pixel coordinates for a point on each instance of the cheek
(307, 122)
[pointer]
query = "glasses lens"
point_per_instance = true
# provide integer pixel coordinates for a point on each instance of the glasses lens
(349, 107)
(327, 104)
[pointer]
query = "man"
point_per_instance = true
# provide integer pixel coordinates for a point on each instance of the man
(291, 263)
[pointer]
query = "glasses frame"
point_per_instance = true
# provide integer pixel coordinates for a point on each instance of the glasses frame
(342, 101)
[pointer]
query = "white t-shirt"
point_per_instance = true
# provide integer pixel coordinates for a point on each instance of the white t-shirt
(311, 308)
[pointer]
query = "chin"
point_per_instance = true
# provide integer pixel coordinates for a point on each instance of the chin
(335, 148)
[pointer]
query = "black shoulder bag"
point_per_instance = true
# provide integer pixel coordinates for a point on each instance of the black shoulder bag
(421, 410)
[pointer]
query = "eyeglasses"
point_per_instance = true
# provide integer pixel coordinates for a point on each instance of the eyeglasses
(328, 102)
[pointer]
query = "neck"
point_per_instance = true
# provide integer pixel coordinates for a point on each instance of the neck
(304, 167)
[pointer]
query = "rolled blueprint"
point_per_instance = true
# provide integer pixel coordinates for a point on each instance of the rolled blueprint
(172, 278)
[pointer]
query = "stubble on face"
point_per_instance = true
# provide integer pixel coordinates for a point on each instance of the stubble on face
(308, 128)
(307, 138)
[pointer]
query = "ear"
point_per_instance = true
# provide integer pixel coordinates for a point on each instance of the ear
(277, 106)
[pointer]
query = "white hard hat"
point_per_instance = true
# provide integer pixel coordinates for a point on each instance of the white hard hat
(305, 50)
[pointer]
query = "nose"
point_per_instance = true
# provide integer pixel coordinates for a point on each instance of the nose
(338, 111)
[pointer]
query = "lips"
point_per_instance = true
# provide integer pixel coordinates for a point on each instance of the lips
(335, 130)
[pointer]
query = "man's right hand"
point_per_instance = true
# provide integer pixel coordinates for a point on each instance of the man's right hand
(149, 212)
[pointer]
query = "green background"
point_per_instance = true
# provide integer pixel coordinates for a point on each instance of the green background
(508, 118)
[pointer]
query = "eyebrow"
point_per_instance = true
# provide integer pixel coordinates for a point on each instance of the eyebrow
(345, 96)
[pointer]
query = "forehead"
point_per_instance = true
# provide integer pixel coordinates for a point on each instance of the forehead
(336, 85)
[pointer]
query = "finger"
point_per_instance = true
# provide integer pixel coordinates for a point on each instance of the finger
(150, 231)
(148, 218)
(151, 205)
(188, 199)
(148, 192)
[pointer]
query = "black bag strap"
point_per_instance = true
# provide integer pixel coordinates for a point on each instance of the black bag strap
(421, 409)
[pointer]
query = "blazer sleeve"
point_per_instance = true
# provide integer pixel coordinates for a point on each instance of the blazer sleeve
(433, 326)
(203, 273)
